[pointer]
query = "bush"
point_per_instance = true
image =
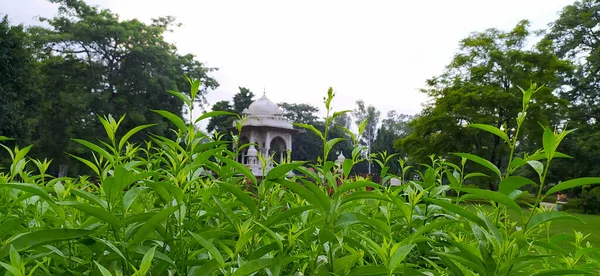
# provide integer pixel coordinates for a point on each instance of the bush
(180, 207)
(590, 200)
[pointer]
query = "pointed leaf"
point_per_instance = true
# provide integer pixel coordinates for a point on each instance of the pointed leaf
(152, 223)
(399, 255)
(311, 128)
(94, 211)
(131, 133)
(544, 217)
(241, 195)
(96, 148)
(283, 169)
(214, 114)
(32, 239)
(493, 130)
(480, 161)
(457, 210)
(578, 182)
(512, 183)
(238, 167)
(210, 247)
(252, 266)
(176, 120)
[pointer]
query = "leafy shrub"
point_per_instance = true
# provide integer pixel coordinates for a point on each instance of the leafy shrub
(180, 207)
(590, 200)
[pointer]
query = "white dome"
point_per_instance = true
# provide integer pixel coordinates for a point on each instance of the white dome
(263, 106)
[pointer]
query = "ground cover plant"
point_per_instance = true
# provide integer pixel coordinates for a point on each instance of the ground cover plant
(183, 206)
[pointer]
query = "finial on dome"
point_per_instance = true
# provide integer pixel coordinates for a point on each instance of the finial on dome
(264, 91)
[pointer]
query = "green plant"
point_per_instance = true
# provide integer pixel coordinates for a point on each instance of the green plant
(590, 200)
(182, 207)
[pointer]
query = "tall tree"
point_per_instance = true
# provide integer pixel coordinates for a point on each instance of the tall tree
(123, 67)
(242, 100)
(575, 35)
(223, 124)
(300, 113)
(370, 113)
(19, 89)
(480, 85)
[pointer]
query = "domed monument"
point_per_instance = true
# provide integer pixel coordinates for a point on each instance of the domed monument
(269, 134)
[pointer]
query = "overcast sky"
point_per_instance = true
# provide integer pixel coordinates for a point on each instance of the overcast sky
(378, 51)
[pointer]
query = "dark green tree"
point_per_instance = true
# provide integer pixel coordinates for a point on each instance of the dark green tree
(104, 66)
(19, 89)
(480, 85)
(575, 36)
(393, 127)
(224, 124)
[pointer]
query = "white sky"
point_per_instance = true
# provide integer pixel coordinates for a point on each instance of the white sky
(378, 51)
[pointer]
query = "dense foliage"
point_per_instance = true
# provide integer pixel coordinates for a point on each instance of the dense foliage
(178, 207)
(57, 78)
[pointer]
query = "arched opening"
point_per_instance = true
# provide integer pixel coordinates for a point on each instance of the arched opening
(242, 156)
(278, 149)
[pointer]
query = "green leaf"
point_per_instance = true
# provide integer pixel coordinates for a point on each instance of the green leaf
(103, 270)
(311, 128)
(241, 195)
(9, 225)
(369, 270)
(283, 169)
(578, 182)
(210, 247)
(344, 264)
(493, 130)
(13, 270)
(561, 271)
(41, 237)
(475, 174)
(549, 141)
(214, 114)
(132, 195)
(544, 217)
(4, 138)
(329, 145)
(176, 120)
(146, 261)
(131, 133)
(233, 219)
(494, 196)
(94, 211)
(399, 255)
(512, 183)
(142, 250)
(351, 218)
(355, 185)
(287, 214)
(238, 167)
(272, 234)
(457, 210)
(97, 149)
(364, 195)
(87, 163)
(252, 266)
(537, 166)
(301, 191)
(36, 190)
(347, 167)
(152, 223)
(480, 161)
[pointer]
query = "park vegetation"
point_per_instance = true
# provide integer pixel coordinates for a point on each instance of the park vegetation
(105, 172)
